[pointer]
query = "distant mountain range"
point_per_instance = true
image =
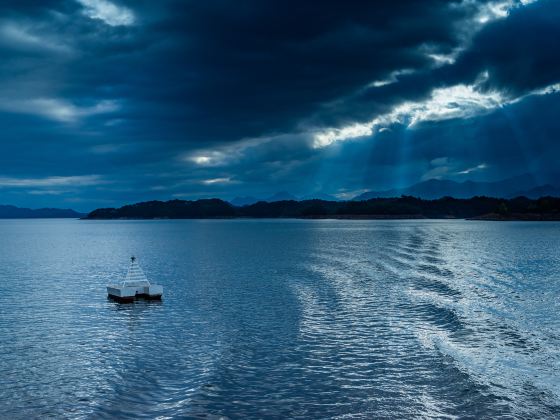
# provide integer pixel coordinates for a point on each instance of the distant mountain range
(12, 212)
(243, 201)
(542, 191)
(280, 196)
(523, 185)
(518, 186)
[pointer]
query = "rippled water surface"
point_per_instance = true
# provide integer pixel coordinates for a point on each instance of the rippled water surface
(310, 319)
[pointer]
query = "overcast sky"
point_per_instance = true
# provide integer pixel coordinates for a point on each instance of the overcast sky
(108, 102)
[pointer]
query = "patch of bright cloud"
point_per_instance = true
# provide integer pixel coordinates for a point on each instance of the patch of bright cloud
(336, 134)
(467, 171)
(207, 158)
(47, 192)
(548, 90)
(392, 78)
(460, 101)
(225, 154)
(214, 181)
(499, 9)
(51, 182)
(443, 167)
(443, 59)
(109, 13)
(22, 37)
(495, 10)
(57, 109)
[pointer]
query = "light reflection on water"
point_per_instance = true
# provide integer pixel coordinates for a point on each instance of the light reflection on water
(281, 319)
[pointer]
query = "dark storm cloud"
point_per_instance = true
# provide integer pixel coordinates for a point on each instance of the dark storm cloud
(517, 55)
(210, 71)
(520, 53)
(132, 91)
(250, 68)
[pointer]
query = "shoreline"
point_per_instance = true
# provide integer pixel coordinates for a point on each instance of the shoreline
(486, 218)
(530, 217)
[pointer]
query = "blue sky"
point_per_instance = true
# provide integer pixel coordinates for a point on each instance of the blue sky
(109, 102)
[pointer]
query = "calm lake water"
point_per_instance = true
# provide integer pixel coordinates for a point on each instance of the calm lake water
(289, 318)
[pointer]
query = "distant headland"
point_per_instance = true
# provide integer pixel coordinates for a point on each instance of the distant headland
(405, 207)
(13, 212)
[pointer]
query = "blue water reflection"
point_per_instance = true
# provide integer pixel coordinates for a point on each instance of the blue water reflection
(280, 318)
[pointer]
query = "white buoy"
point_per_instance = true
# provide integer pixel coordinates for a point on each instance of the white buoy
(135, 285)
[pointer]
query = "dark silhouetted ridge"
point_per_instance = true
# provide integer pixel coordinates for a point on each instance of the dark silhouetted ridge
(174, 209)
(521, 208)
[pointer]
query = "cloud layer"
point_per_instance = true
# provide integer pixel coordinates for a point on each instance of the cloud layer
(192, 99)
